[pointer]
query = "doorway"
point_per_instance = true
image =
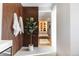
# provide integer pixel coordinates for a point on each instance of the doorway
(44, 36)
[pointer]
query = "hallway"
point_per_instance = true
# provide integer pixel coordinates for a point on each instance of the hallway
(44, 43)
(40, 38)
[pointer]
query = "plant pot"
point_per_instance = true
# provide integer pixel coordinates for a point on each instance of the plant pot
(30, 47)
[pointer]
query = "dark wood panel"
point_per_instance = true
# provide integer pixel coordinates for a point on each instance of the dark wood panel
(30, 12)
(8, 10)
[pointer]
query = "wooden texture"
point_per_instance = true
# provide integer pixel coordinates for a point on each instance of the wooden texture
(30, 12)
(7, 22)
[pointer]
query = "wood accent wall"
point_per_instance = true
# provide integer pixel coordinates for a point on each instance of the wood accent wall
(30, 12)
(7, 20)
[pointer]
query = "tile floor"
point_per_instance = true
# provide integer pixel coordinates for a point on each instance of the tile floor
(44, 49)
(36, 52)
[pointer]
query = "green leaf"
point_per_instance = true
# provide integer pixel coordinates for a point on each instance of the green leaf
(30, 25)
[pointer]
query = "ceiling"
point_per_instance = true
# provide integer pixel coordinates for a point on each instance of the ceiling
(42, 6)
(44, 15)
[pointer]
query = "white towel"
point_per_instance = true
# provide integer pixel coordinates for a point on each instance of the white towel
(16, 26)
(21, 24)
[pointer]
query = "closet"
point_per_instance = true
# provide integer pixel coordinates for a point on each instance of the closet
(43, 26)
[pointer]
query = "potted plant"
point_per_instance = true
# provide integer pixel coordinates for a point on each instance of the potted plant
(31, 26)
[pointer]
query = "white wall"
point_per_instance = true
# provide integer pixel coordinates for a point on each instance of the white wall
(68, 29)
(0, 19)
(53, 28)
(63, 29)
(74, 28)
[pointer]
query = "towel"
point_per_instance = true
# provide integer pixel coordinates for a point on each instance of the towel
(21, 25)
(16, 26)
